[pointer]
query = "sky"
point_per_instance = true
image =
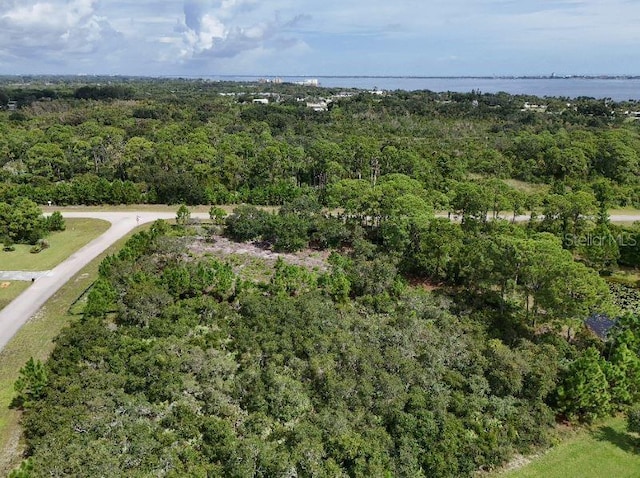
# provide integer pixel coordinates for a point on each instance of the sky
(320, 38)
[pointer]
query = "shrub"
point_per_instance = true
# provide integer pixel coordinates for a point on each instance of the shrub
(7, 244)
(633, 419)
(246, 223)
(55, 222)
(217, 215)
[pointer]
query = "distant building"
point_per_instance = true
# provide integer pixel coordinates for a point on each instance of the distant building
(319, 106)
(309, 82)
(276, 81)
(12, 105)
(261, 101)
(533, 107)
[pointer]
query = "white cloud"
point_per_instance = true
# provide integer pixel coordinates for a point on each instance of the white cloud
(52, 29)
(327, 37)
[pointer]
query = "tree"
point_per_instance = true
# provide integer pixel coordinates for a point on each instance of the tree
(31, 383)
(246, 223)
(584, 392)
(553, 282)
(55, 222)
(471, 202)
(22, 221)
(623, 374)
(48, 160)
(616, 158)
(101, 299)
(600, 248)
(183, 216)
(24, 471)
(435, 249)
(217, 215)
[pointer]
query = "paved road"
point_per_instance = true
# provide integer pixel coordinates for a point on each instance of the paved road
(22, 275)
(20, 310)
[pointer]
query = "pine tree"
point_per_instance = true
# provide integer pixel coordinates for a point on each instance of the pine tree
(31, 382)
(584, 391)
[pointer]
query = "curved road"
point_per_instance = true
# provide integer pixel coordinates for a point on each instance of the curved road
(19, 311)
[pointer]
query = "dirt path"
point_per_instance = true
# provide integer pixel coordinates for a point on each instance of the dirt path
(223, 247)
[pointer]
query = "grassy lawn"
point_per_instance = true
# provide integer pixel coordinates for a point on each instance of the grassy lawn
(147, 208)
(36, 339)
(79, 232)
(9, 290)
(604, 450)
(627, 276)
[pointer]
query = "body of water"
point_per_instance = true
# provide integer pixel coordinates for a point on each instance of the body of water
(618, 89)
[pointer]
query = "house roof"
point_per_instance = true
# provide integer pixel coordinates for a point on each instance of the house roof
(600, 324)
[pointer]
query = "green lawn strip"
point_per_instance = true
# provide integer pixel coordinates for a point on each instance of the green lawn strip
(36, 339)
(79, 232)
(603, 450)
(11, 291)
(148, 208)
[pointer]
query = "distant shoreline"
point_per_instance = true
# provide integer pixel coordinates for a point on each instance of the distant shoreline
(619, 88)
(414, 77)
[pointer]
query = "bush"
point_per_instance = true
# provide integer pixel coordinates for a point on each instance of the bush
(55, 222)
(287, 232)
(39, 246)
(633, 420)
(246, 223)
(183, 216)
(217, 215)
(7, 244)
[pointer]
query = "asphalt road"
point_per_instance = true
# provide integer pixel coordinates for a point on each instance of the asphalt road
(25, 306)
(47, 283)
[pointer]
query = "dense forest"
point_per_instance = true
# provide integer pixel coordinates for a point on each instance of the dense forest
(444, 333)
(200, 142)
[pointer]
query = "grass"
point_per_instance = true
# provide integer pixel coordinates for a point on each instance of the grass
(627, 276)
(526, 187)
(9, 290)
(78, 233)
(35, 339)
(605, 449)
(147, 208)
(128, 208)
(249, 268)
(135, 207)
(629, 210)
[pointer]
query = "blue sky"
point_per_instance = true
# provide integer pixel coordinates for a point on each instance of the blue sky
(326, 37)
